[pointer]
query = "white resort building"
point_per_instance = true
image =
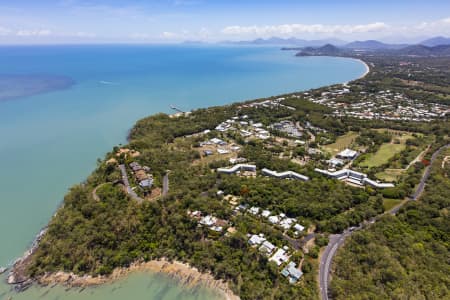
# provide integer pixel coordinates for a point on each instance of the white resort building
(284, 175)
(354, 177)
(236, 168)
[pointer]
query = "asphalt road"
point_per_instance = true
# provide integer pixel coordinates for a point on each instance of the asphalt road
(426, 174)
(337, 240)
(165, 184)
(130, 191)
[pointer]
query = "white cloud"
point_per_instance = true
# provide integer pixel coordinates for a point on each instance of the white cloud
(292, 29)
(442, 25)
(169, 35)
(30, 33)
(4, 31)
(82, 34)
(140, 36)
(204, 33)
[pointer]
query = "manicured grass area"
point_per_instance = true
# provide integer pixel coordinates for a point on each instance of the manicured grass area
(390, 203)
(390, 174)
(341, 143)
(382, 156)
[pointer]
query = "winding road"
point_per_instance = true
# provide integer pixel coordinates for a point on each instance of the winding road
(337, 240)
(165, 189)
(130, 191)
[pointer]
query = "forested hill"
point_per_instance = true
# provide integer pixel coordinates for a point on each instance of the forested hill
(413, 50)
(402, 257)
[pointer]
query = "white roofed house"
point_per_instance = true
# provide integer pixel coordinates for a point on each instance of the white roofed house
(256, 239)
(347, 154)
(267, 247)
(218, 141)
(292, 273)
(265, 213)
(254, 210)
(274, 219)
(299, 227)
(223, 151)
(208, 220)
(287, 223)
(280, 257)
(216, 228)
(146, 183)
(334, 162)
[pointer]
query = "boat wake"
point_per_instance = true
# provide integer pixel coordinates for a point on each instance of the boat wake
(107, 82)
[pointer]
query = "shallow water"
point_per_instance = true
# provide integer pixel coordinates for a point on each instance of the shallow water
(51, 141)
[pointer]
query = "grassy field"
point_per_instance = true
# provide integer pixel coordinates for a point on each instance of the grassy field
(390, 203)
(341, 143)
(382, 156)
(390, 174)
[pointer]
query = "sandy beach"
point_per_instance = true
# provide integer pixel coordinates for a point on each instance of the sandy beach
(367, 68)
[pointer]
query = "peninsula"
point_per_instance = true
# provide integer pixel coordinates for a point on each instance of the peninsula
(246, 195)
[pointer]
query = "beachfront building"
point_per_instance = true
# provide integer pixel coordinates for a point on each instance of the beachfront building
(285, 175)
(354, 177)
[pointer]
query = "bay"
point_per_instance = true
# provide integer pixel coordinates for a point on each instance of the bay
(51, 140)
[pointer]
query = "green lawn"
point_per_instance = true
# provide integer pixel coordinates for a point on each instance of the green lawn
(341, 143)
(390, 203)
(382, 156)
(390, 174)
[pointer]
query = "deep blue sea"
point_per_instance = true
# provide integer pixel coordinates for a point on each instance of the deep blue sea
(62, 107)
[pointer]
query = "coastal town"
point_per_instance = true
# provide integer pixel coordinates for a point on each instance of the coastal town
(260, 192)
(384, 105)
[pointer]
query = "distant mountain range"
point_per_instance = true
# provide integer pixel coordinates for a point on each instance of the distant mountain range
(288, 42)
(436, 41)
(413, 50)
(373, 45)
(360, 45)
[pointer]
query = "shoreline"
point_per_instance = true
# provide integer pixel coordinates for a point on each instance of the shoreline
(183, 273)
(363, 75)
(367, 68)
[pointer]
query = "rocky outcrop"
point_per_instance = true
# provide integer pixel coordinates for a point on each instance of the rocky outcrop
(186, 275)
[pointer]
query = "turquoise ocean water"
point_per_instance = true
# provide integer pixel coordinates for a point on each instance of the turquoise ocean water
(50, 141)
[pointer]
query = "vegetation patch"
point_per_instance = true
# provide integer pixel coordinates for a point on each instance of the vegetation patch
(390, 175)
(341, 143)
(382, 156)
(388, 204)
(403, 256)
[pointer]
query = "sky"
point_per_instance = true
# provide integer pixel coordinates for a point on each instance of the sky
(170, 21)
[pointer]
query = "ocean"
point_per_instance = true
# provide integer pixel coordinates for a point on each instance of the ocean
(62, 107)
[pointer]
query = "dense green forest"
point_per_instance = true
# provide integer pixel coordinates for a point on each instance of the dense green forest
(404, 256)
